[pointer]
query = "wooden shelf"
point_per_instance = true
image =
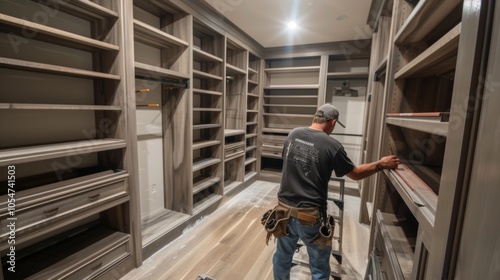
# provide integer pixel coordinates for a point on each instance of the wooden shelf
(199, 206)
(271, 155)
(201, 54)
(202, 183)
(231, 69)
(292, 96)
(86, 9)
(56, 36)
(430, 126)
(418, 186)
(152, 36)
(205, 126)
(347, 75)
(292, 69)
(205, 143)
(35, 153)
(26, 106)
(204, 75)
(150, 71)
(414, 203)
(426, 16)
(252, 82)
(207, 110)
(288, 115)
(397, 244)
(277, 130)
(234, 156)
(290, 105)
(53, 69)
(204, 91)
(437, 59)
(233, 132)
(253, 71)
(250, 160)
(312, 86)
(204, 162)
(74, 256)
(29, 197)
(250, 148)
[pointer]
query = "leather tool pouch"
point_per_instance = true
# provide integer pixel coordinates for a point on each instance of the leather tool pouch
(275, 221)
(325, 234)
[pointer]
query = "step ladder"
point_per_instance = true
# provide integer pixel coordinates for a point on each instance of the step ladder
(336, 209)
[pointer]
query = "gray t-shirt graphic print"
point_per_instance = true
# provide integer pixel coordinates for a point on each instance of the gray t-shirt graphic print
(302, 154)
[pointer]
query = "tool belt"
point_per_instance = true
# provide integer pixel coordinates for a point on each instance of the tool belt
(276, 219)
(325, 235)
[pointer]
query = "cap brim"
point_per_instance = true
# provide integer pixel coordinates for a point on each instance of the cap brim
(341, 124)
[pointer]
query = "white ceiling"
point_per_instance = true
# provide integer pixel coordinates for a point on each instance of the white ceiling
(318, 21)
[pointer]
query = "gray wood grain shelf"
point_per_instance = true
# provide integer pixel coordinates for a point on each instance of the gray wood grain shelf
(155, 37)
(233, 132)
(27, 154)
(347, 75)
(292, 69)
(205, 126)
(291, 96)
(231, 69)
(305, 86)
(276, 130)
(206, 143)
(54, 69)
(201, 54)
(397, 244)
(437, 59)
(204, 75)
(430, 126)
(287, 115)
(157, 72)
(414, 203)
(204, 162)
(250, 160)
(86, 9)
(207, 110)
(33, 106)
(54, 35)
(426, 16)
(290, 105)
(252, 82)
(204, 91)
(201, 183)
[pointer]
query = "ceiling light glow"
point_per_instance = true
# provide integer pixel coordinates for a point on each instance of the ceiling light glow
(292, 25)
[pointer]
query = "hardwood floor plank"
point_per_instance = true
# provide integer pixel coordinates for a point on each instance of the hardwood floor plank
(230, 243)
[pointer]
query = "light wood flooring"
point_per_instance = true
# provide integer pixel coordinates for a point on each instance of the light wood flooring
(229, 244)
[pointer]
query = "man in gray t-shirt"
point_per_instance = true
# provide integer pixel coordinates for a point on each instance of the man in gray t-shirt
(309, 157)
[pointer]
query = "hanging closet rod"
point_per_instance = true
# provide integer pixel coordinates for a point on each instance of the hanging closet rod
(165, 82)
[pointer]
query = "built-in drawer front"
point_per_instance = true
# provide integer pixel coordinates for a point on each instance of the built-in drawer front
(273, 141)
(275, 151)
(89, 263)
(46, 214)
(234, 149)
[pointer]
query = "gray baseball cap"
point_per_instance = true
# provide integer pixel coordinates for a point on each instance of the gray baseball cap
(329, 112)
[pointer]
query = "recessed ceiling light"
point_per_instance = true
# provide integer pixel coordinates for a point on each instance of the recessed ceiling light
(292, 25)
